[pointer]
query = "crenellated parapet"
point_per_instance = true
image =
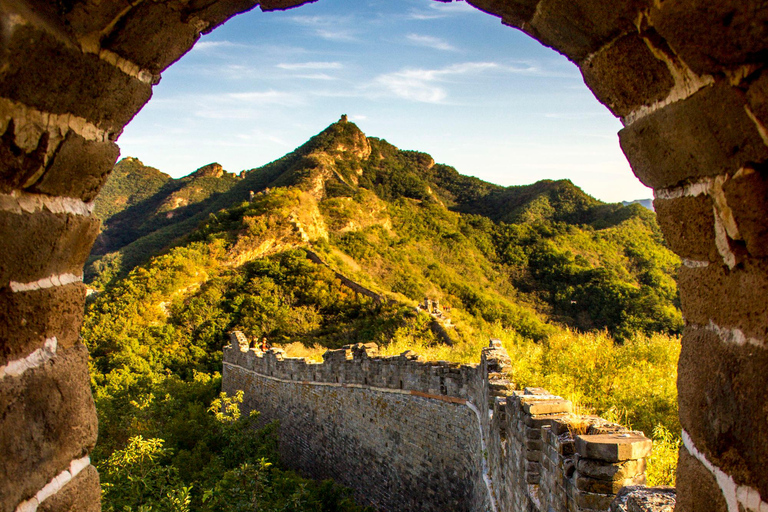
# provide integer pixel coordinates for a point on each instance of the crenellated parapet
(410, 434)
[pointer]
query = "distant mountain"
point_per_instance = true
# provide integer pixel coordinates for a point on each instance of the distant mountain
(390, 227)
(645, 203)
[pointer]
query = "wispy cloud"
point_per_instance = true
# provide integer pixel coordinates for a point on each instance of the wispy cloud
(271, 97)
(310, 65)
(423, 85)
(430, 42)
(332, 28)
(439, 10)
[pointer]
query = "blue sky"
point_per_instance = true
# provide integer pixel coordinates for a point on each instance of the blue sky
(445, 79)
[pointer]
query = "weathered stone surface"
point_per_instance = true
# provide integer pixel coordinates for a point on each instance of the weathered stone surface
(42, 244)
(625, 75)
(27, 319)
(729, 298)
(707, 134)
(594, 485)
(688, 224)
(79, 168)
(48, 419)
(747, 197)
(757, 96)
(578, 28)
(17, 165)
(644, 499)
(605, 471)
(81, 494)
(536, 406)
(721, 387)
(710, 36)
(154, 35)
(613, 447)
(697, 489)
(57, 78)
(592, 501)
(516, 13)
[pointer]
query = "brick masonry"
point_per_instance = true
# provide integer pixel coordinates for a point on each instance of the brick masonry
(408, 434)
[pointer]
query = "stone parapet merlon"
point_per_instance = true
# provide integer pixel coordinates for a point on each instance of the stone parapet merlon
(537, 455)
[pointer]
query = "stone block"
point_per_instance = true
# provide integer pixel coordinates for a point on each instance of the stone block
(729, 298)
(537, 406)
(81, 494)
(54, 77)
(757, 96)
(516, 13)
(722, 403)
(592, 501)
(18, 165)
(48, 419)
(688, 224)
(747, 197)
(27, 319)
(706, 134)
(594, 485)
(41, 244)
(613, 447)
(606, 471)
(713, 36)
(78, 168)
(578, 28)
(644, 499)
(625, 75)
(697, 489)
(154, 35)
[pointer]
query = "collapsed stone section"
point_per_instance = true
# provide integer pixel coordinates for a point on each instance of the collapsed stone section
(409, 434)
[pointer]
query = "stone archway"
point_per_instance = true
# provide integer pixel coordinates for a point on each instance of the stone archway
(687, 78)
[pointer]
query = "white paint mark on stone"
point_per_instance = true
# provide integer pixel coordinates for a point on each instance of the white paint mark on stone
(55, 485)
(687, 83)
(722, 241)
(46, 282)
(37, 358)
(734, 336)
(694, 189)
(737, 497)
(22, 202)
(694, 263)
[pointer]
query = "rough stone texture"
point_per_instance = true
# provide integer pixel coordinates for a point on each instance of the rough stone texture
(54, 77)
(645, 499)
(613, 447)
(27, 319)
(729, 298)
(515, 13)
(398, 451)
(688, 224)
(697, 489)
(707, 134)
(619, 471)
(757, 96)
(17, 165)
(711, 36)
(79, 168)
(747, 197)
(81, 494)
(44, 244)
(626, 75)
(371, 421)
(721, 388)
(578, 28)
(37, 445)
(154, 34)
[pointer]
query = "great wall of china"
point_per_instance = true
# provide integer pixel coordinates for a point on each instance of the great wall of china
(408, 434)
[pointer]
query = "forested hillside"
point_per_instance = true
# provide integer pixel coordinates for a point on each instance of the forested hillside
(189, 260)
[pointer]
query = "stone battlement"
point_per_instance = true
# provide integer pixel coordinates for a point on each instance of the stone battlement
(410, 434)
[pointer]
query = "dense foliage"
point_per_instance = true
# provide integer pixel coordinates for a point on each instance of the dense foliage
(581, 292)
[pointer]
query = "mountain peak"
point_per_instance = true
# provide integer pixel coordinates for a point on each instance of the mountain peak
(213, 170)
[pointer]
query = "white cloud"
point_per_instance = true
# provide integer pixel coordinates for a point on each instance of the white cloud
(203, 46)
(430, 42)
(271, 97)
(332, 28)
(439, 10)
(311, 65)
(423, 85)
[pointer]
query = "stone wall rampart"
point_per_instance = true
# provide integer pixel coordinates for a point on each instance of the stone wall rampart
(409, 434)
